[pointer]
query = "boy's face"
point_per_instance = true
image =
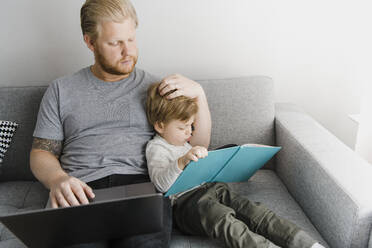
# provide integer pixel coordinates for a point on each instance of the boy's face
(176, 132)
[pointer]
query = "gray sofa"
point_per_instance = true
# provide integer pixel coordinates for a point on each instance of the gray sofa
(315, 180)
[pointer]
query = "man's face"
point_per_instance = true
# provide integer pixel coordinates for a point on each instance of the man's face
(115, 49)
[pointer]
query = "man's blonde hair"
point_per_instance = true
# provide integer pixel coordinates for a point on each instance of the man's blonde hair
(93, 12)
(160, 109)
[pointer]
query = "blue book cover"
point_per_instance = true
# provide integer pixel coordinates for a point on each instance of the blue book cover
(234, 164)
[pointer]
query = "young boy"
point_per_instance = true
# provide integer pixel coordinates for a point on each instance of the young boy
(210, 209)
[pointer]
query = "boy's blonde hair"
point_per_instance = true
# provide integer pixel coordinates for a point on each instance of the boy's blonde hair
(160, 109)
(93, 12)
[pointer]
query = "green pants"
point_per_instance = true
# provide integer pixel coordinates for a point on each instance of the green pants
(217, 212)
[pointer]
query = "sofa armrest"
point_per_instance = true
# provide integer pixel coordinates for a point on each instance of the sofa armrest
(332, 184)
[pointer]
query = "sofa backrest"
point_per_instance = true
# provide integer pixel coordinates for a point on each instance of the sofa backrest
(19, 104)
(242, 111)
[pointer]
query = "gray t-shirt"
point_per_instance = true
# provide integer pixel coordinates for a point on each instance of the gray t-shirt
(103, 125)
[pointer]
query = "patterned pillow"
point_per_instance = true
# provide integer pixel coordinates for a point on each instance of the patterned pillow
(7, 130)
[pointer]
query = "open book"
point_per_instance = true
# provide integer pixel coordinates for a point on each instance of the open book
(234, 164)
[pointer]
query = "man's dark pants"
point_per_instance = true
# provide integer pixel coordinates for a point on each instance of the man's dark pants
(152, 240)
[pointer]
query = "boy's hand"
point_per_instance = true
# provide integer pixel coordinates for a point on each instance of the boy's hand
(194, 154)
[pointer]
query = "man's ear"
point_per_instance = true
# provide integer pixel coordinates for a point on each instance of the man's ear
(159, 127)
(88, 40)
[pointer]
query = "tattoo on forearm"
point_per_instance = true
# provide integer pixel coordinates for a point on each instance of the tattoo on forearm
(53, 146)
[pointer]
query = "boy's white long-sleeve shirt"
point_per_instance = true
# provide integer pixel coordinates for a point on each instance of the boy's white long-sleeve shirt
(162, 162)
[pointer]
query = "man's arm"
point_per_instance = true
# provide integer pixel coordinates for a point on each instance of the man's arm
(183, 86)
(64, 190)
(201, 135)
(44, 160)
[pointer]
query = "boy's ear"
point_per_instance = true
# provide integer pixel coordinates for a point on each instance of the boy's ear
(159, 127)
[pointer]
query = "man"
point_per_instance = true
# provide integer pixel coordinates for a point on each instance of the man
(92, 130)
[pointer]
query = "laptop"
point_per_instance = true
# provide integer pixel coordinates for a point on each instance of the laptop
(114, 212)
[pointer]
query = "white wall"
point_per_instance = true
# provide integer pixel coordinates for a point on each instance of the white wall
(312, 49)
(363, 144)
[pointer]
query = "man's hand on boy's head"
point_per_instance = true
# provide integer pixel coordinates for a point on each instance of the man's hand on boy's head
(193, 154)
(182, 86)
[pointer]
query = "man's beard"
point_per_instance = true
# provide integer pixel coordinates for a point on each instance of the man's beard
(114, 69)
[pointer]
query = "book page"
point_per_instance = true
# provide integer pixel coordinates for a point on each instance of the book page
(256, 145)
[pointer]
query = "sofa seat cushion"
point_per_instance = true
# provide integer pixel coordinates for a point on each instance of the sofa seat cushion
(12, 243)
(266, 187)
(19, 196)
